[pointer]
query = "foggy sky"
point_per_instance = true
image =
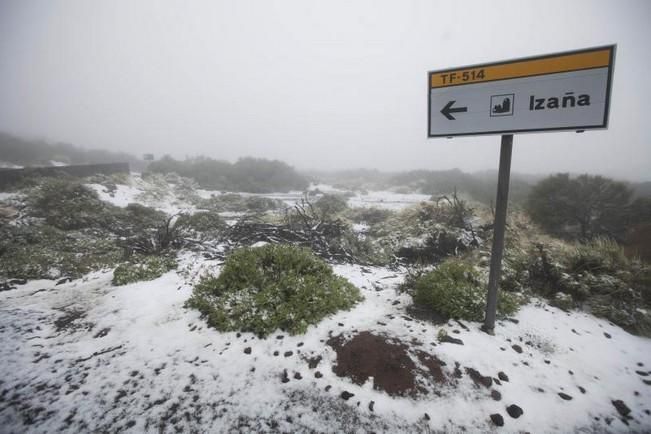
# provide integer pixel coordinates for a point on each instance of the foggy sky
(319, 84)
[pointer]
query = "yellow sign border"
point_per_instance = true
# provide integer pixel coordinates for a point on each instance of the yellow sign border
(601, 57)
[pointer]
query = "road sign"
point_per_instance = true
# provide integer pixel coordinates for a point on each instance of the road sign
(563, 91)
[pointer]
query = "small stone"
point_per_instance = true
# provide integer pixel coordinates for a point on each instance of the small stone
(280, 337)
(247, 350)
(451, 340)
(318, 374)
(238, 334)
(496, 381)
(547, 362)
(514, 411)
(276, 353)
(642, 373)
(581, 389)
(565, 396)
(502, 376)
(621, 407)
(328, 387)
(497, 419)
(288, 353)
(298, 376)
(497, 396)
(345, 395)
(607, 335)
(517, 348)
(285, 377)
(570, 372)
(426, 416)
(300, 344)
(371, 405)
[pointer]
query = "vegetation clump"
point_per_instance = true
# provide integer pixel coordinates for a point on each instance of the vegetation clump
(142, 268)
(272, 287)
(595, 275)
(46, 252)
(586, 206)
(253, 175)
(455, 289)
(202, 222)
(68, 204)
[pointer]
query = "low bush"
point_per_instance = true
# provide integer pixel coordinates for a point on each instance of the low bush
(329, 205)
(67, 204)
(369, 216)
(203, 221)
(596, 275)
(141, 268)
(272, 287)
(232, 202)
(455, 289)
(46, 252)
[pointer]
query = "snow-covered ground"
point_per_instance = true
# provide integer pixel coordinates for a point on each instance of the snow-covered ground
(86, 356)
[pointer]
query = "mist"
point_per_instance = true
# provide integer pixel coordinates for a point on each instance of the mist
(320, 85)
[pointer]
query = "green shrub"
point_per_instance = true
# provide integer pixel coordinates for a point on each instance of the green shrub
(272, 287)
(141, 268)
(232, 202)
(600, 255)
(596, 274)
(45, 252)
(202, 221)
(370, 216)
(456, 290)
(329, 205)
(68, 204)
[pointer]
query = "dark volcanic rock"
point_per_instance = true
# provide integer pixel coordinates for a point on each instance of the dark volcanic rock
(479, 379)
(497, 396)
(247, 350)
(607, 335)
(497, 419)
(565, 396)
(517, 348)
(621, 407)
(451, 340)
(502, 376)
(514, 411)
(345, 395)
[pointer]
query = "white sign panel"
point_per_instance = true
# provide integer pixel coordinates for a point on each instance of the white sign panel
(565, 91)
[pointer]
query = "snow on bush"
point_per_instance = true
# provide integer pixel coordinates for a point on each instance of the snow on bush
(272, 287)
(455, 289)
(141, 268)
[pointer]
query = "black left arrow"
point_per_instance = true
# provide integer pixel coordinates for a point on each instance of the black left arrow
(445, 111)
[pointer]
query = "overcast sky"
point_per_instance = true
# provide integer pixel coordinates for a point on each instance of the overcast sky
(319, 84)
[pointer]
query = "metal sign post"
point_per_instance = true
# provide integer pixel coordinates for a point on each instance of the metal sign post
(555, 92)
(499, 227)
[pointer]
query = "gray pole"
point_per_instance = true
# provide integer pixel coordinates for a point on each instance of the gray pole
(499, 228)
